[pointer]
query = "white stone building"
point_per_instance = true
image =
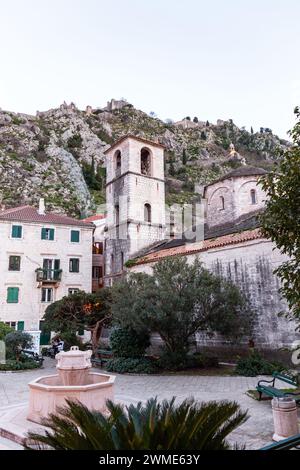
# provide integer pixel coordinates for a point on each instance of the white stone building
(43, 257)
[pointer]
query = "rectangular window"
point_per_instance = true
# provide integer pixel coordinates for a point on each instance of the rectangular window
(96, 272)
(48, 234)
(72, 291)
(14, 263)
(12, 324)
(16, 231)
(74, 265)
(12, 295)
(47, 295)
(75, 236)
(20, 326)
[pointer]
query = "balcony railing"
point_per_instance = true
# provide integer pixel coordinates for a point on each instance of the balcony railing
(48, 275)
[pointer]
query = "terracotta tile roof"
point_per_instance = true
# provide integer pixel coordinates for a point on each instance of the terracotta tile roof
(136, 137)
(30, 214)
(239, 172)
(93, 218)
(198, 247)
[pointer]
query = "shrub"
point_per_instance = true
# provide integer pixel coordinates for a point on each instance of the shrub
(75, 141)
(255, 364)
(177, 361)
(151, 426)
(172, 360)
(121, 365)
(19, 365)
(15, 342)
(129, 343)
(4, 330)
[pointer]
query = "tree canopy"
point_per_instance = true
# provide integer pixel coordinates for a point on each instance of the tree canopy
(179, 300)
(78, 311)
(281, 218)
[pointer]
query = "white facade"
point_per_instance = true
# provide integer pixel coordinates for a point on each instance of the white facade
(25, 295)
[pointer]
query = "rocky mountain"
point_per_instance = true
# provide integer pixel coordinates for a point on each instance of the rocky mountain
(59, 154)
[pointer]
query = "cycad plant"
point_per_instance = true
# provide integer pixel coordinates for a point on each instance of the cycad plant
(152, 426)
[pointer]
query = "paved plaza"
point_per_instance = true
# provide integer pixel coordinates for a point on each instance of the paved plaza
(256, 432)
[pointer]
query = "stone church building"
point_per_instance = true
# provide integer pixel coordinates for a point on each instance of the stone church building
(232, 244)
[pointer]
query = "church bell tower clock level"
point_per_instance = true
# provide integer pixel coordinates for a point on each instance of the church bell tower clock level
(135, 198)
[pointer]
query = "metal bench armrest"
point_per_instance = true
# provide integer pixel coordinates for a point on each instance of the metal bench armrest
(266, 382)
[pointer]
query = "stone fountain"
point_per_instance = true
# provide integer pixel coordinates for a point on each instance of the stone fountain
(74, 381)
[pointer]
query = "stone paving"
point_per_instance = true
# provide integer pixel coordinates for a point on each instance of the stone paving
(256, 432)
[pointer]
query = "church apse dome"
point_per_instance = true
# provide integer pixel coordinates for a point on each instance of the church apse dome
(233, 195)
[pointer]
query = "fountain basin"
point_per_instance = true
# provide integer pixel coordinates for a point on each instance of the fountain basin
(49, 393)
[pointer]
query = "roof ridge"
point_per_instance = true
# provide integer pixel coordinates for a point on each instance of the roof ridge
(224, 240)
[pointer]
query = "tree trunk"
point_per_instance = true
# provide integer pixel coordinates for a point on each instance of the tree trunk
(96, 334)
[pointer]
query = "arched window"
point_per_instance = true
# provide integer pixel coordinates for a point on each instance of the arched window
(145, 162)
(147, 213)
(118, 161)
(253, 196)
(222, 203)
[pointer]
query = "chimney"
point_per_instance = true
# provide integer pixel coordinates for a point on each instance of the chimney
(41, 210)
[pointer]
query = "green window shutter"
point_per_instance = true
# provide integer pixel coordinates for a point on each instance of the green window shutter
(75, 236)
(20, 326)
(16, 231)
(12, 295)
(48, 233)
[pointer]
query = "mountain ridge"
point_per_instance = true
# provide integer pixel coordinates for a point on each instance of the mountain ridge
(59, 154)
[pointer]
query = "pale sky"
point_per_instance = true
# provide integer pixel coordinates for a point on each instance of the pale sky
(208, 58)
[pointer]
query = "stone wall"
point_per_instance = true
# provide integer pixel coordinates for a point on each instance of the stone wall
(250, 265)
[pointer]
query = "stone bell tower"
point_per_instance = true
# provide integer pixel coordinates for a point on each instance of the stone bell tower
(135, 198)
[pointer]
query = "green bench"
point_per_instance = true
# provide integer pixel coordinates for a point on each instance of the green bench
(103, 355)
(267, 387)
(286, 444)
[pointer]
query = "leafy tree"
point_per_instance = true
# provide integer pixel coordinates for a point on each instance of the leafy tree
(207, 124)
(203, 135)
(80, 310)
(93, 178)
(251, 130)
(184, 157)
(188, 118)
(281, 218)
(4, 330)
(178, 301)
(152, 426)
(16, 341)
(195, 119)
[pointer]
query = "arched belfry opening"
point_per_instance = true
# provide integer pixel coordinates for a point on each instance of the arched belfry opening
(118, 160)
(145, 162)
